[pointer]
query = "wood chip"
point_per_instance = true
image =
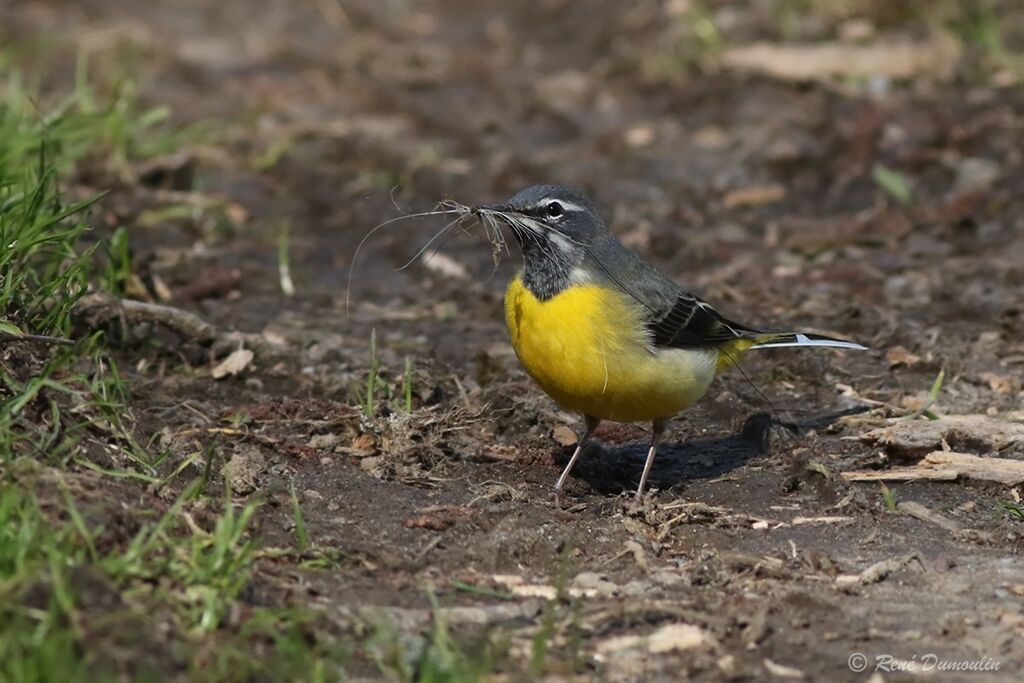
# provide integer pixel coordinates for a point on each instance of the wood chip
(629, 649)
(921, 436)
(592, 584)
(615, 645)
(518, 586)
(1002, 470)
(835, 519)
(825, 61)
(783, 671)
(879, 571)
(902, 474)
(676, 638)
(754, 196)
(431, 522)
(946, 466)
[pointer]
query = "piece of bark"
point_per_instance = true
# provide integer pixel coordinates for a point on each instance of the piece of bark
(902, 474)
(917, 437)
(947, 466)
(1002, 470)
(900, 59)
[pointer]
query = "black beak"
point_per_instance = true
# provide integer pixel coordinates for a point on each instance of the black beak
(491, 208)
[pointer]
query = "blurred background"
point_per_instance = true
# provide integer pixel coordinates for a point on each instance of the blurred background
(832, 153)
(848, 166)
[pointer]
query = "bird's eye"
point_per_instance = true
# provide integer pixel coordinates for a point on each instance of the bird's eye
(554, 210)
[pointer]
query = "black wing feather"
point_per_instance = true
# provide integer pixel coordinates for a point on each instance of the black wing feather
(691, 323)
(674, 317)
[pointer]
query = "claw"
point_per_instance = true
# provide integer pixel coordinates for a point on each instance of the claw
(556, 495)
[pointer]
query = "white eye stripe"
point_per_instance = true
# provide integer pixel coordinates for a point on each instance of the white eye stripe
(567, 206)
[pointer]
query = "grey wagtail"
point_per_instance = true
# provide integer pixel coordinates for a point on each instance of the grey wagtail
(602, 332)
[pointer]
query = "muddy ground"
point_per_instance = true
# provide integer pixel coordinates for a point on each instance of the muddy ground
(761, 193)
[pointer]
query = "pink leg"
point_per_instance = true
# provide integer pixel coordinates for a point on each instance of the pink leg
(592, 423)
(658, 428)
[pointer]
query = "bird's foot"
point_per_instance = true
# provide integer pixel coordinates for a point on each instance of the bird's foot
(556, 496)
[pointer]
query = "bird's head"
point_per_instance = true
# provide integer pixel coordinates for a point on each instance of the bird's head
(550, 214)
(554, 226)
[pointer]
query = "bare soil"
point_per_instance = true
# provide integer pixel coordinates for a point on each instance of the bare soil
(323, 109)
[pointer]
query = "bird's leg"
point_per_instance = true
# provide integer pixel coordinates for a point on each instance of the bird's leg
(657, 429)
(592, 423)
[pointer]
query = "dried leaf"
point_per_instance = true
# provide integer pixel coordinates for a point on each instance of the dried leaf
(564, 436)
(432, 522)
(235, 363)
(1001, 384)
(361, 446)
(898, 355)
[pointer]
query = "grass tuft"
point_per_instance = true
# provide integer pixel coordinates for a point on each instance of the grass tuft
(888, 497)
(87, 594)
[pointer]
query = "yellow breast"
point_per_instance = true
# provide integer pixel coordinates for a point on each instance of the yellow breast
(587, 349)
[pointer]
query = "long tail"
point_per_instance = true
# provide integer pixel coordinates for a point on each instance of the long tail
(730, 354)
(776, 340)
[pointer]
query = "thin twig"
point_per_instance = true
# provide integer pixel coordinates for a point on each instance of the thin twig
(104, 307)
(8, 338)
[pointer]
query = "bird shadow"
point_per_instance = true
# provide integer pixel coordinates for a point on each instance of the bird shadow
(613, 469)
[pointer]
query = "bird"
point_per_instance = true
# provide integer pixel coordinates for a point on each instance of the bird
(605, 334)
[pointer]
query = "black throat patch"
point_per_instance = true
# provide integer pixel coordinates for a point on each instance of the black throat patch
(546, 269)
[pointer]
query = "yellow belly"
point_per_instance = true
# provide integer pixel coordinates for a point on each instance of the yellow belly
(586, 349)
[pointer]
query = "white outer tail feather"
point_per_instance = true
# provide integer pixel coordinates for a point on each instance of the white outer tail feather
(804, 340)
